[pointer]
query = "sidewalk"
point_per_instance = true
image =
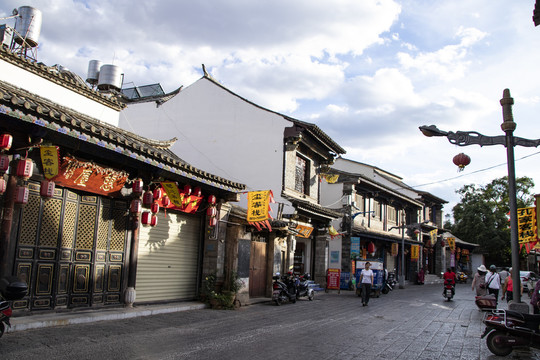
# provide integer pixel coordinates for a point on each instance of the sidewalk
(36, 321)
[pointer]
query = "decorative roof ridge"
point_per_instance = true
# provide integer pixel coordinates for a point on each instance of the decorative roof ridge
(159, 99)
(51, 74)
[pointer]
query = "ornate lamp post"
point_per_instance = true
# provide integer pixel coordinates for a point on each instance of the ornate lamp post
(464, 138)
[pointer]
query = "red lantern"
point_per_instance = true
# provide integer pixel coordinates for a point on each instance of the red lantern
(47, 188)
(153, 220)
(21, 195)
(158, 193)
(212, 222)
(212, 200)
(136, 206)
(5, 142)
(165, 201)
(137, 186)
(154, 208)
(4, 163)
(371, 248)
(25, 168)
(211, 211)
(3, 186)
(187, 190)
(146, 217)
(461, 160)
(148, 198)
(197, 191)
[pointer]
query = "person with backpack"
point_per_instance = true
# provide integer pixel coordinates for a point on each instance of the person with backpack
(479, 281)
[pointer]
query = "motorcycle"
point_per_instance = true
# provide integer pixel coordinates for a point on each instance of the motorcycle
(449, 289)
(389, 284)
(11, 288)
(462, 277)
(302, 287)
(507, 329)
(284, 289)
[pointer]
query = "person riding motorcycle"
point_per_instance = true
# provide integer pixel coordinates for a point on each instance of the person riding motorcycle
(450, 276)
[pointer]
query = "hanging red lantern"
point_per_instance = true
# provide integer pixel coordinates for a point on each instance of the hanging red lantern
(146, 217)
(197, 191)
(211, 211)
(137, 186)
(371, 248)
(21, 194)
(461, 160)
(3, 186)
(154, 208)
(5, 142)
(212, 200)
(158, 192)
(4, 163)
(153, 220)
(47, 188)
(25, 168)
(165, 201)
(212, 222)
(187, 189)
(148, 198)
(136, 206)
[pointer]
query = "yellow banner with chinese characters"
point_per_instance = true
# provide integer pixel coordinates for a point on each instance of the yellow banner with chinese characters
(526, 225)
(303, 231)
(50, 161)
(451, 243)
(395, 249)
(415, 251)
(172, 191)
(258, 204)
(433, 237)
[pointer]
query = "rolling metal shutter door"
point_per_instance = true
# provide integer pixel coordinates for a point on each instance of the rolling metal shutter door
(168, 258)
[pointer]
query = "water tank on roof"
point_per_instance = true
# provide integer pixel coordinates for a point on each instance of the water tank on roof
(110, 78)
(27, 26)
(93, 72)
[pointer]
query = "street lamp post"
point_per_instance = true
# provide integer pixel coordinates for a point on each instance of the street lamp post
(464, 138)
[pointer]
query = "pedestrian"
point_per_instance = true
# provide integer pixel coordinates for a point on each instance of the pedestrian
(535, 298)
(508, 288)
(366, 279)
(479, 281)
(493, 282)
(503, 274)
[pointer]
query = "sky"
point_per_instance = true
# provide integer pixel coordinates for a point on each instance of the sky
(367, 72)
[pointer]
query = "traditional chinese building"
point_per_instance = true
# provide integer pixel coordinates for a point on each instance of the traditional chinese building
(93, 215)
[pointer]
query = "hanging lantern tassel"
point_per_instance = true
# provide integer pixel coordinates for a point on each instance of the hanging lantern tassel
(461, 160)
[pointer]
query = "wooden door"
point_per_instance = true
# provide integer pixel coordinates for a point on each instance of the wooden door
(257, 269)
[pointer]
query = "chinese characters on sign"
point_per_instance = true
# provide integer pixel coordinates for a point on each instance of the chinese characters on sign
(332, 279)
(415, 249)
(395, 249)
(179, 201)
(49, 161)
(527, 227)
(259, 208)
(451, 244)
(433, 237)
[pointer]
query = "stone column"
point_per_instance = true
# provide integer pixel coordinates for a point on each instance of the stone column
(321, 245)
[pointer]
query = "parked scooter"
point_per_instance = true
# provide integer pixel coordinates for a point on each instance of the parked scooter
(462, 277)
(284, 289)
(302, 287)
(449, 289)
(11, 289)
(390, 283)
(508, 329)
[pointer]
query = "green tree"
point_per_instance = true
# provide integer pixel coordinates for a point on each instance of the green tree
(481, 216)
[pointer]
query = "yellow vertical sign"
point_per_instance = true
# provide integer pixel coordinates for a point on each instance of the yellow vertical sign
(415, 251)
(433, 237)
(526, 225)
(451, 243)
(258, 203)
(49, 160)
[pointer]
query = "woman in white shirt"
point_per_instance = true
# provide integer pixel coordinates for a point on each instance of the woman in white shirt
(366, 281)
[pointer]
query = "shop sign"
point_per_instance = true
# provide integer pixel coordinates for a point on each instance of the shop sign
(333, 278)
(88, 176)
(395, 249)
(451, 244)
(355, 247)
(415, 250)
(303, 231)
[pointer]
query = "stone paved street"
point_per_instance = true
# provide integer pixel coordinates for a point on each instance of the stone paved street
(414, 323)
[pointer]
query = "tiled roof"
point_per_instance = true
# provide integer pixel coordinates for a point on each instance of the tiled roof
(30, 108)
(315, 209)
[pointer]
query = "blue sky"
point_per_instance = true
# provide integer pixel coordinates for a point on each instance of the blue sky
(366, 72)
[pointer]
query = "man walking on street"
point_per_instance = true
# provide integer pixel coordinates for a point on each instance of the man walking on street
(493, 282)
(366, 279)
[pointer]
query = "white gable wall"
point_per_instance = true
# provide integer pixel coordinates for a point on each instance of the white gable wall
(56, 93)
(219, 133)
